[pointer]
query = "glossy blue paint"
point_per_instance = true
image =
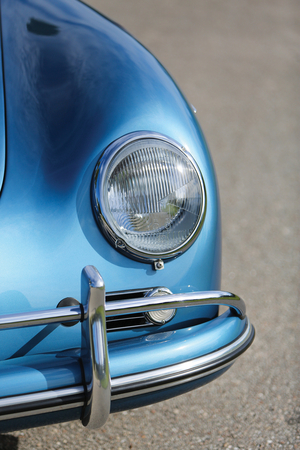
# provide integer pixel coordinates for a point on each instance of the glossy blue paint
(75, 82)
(2, 126)
(39, 373)
(167, 348)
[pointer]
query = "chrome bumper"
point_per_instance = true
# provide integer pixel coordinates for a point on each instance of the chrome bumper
(98, 390)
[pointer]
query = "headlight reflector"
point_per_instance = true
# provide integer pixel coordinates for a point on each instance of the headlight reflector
(149, 196)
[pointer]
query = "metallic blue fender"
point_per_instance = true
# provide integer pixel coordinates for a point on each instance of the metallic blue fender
(73, 83)
(69, 93)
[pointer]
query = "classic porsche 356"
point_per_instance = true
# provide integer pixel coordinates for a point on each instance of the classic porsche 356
(109, 225)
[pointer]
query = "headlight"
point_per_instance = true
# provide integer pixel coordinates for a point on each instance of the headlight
(149, 196)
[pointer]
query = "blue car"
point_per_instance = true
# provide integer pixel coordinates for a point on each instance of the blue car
(110, 237)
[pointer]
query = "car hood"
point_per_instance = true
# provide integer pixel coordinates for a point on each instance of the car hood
(71, 77)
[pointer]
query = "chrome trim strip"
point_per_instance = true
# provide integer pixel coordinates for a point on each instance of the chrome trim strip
(174, 375)
(170, 384)
(116, 307)
(44, 317)
(41, 402)
(42, 396)
(32, 412)
(172, 301)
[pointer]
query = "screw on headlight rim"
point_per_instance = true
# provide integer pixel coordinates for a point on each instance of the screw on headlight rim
(159, 265)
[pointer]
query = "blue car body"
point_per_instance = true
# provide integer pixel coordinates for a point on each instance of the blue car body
(72, 82)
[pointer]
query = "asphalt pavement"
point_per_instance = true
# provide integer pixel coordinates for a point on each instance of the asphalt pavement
(238, 63)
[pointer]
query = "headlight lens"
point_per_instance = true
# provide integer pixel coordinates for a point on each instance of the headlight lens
(149, 196)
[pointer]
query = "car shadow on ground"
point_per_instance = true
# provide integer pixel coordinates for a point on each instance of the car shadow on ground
(8, 442)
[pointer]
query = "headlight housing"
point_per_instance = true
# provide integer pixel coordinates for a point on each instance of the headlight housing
(148, 196)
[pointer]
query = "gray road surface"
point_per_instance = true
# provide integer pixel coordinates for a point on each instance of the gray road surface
(238, 62)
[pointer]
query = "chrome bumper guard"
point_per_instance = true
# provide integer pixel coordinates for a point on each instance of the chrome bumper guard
(95, 395)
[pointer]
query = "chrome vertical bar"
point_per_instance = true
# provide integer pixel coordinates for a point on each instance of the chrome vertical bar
(94, 350)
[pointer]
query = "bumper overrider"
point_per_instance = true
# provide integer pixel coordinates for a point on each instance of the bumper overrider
(98, 391)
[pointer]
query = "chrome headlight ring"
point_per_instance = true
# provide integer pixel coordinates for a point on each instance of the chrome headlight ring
(148, 196)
